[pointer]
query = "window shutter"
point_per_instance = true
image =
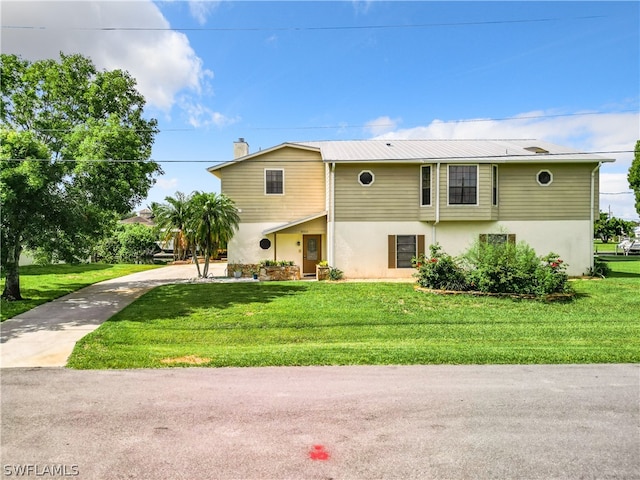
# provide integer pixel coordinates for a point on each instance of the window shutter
(483, 238)
(392, 251)
(511, 238)
(420, 246)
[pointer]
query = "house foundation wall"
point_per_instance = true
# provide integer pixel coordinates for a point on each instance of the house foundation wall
(361, 248)
(244, 247)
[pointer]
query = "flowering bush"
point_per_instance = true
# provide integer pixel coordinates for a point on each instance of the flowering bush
(494, 268)
(439, 271)
(502, 268)
(551, 276)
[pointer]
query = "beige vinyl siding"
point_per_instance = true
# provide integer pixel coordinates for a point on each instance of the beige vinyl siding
(394, 194)
(304, 186)
(482, 211)
(315, 226)
(566, 198)
(596, 184)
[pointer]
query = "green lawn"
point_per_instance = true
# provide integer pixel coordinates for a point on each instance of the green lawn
(599, 247)
(41, 284)
(317, 323)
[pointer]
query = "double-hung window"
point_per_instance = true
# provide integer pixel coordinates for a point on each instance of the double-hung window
(274, 182)
(425, 185)
(463, 184)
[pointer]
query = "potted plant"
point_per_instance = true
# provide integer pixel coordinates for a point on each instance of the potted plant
(322, 270)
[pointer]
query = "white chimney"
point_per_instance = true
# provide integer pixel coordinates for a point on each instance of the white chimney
(240, 148)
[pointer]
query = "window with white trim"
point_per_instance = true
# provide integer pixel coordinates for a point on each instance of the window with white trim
(366, 178)
(463, 185)
(425, 185)
(274, 182)
(544, 177)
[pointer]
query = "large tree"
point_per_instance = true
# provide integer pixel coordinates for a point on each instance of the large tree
(75, 154)
(634, 176)
(606, 227)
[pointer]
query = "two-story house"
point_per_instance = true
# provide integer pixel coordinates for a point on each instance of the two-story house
(368, 207)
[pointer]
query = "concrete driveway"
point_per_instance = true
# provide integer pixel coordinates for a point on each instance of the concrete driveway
(413, 422)
(46, 335)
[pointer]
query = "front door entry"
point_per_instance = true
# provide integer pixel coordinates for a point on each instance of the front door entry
(311, 252)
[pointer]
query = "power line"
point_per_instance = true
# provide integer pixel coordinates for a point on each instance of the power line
(477, 157)
(299, 28)
(338, 127)
(443, 122)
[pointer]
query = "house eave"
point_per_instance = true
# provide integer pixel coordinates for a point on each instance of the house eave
(220, 166)
(293, 223)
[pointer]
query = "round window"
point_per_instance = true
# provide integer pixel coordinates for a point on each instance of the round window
(265, 244)
(366, 178)
(544, 177)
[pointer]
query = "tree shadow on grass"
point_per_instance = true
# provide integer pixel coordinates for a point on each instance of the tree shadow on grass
(181, 300)
(32, 297)
(62, 269)
(624, 266)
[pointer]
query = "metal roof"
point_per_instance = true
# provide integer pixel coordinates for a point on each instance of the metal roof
(423, 151)
(494, 151)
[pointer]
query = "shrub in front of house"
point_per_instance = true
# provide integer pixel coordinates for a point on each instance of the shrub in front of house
(494, 268)
(515, 268)
(502, 268)
(551, 276)
(439, 270)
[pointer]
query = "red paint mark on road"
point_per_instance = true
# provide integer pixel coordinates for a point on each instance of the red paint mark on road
(318, 453)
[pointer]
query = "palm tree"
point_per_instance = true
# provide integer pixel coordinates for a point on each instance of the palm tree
(213, 221)
(171, 220)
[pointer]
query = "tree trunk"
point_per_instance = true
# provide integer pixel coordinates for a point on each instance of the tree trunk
(12, 270)
(205, 270)
(195, 260)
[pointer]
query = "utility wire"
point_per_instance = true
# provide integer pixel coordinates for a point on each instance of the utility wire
(298, 28)
(478, 157)
(377, 125)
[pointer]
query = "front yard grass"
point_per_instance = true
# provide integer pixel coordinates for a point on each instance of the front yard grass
(41, 284)
(317, 323)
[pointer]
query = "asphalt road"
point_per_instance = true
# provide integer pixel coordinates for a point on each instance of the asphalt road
(413, 422)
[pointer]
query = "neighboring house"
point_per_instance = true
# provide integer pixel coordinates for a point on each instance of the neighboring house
(144, 217)
(368, 207)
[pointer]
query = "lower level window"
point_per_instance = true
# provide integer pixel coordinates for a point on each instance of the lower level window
(405, 250)
(497, 238)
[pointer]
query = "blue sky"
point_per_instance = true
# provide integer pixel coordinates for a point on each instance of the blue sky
(271, 72)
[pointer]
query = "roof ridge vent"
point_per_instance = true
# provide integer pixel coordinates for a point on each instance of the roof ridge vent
(536, 149)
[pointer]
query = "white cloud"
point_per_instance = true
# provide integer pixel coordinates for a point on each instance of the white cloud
(615, 195)
(201, 116)
(382, 125)
(611, 132)
(162, 61)
(594, 133)
(200, 9)
(167, 183)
